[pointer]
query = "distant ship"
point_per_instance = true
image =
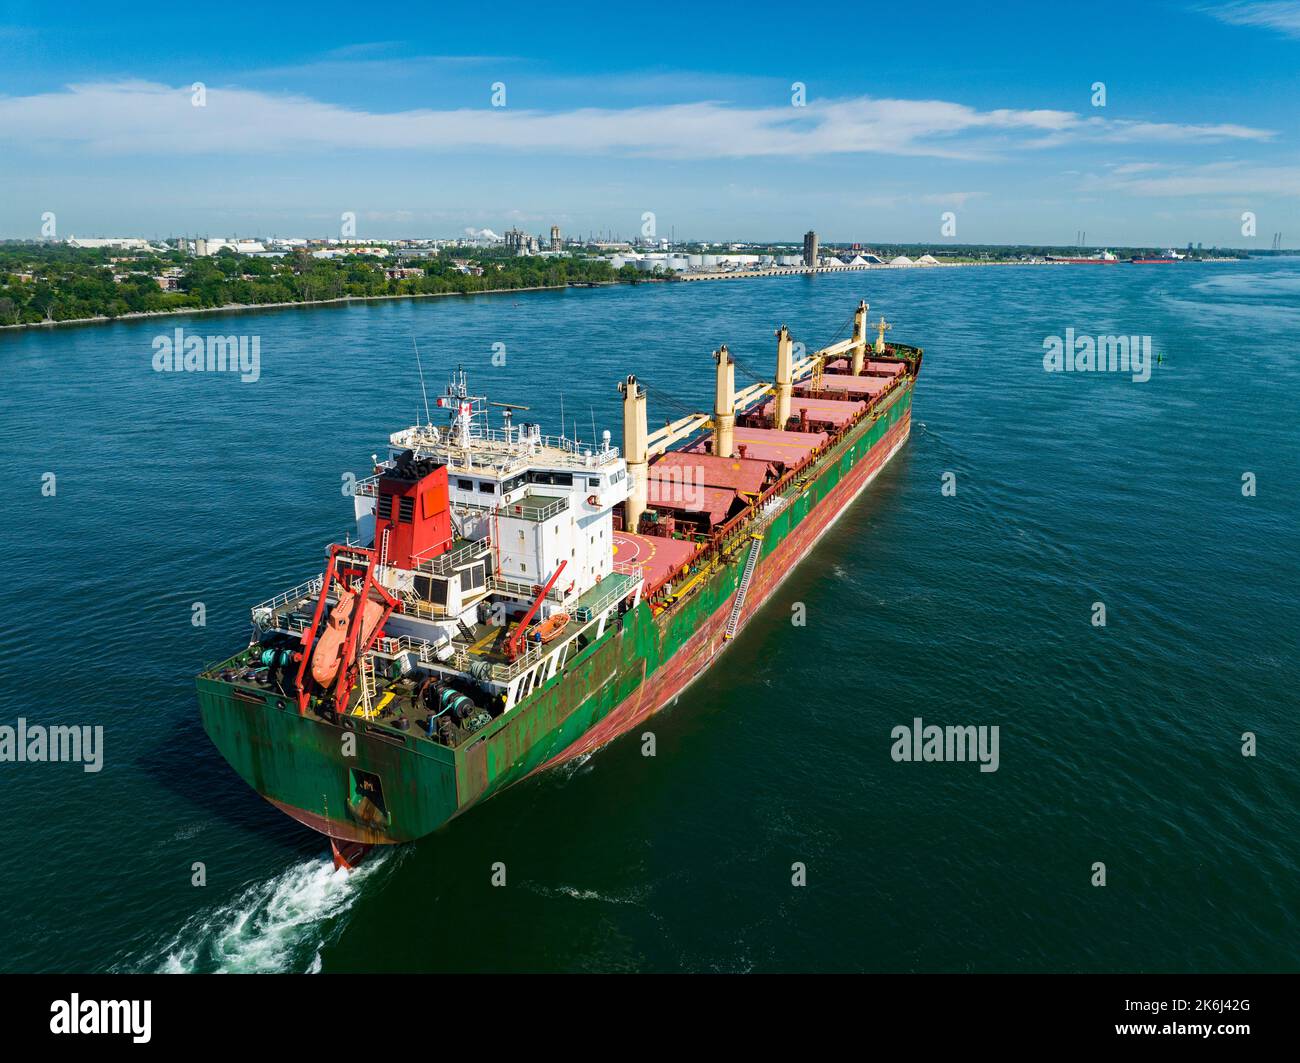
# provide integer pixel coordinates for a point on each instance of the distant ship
(1159, 260)
(1101, 258)
(514, 600)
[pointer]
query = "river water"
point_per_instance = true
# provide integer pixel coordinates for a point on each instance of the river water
(1119, 745)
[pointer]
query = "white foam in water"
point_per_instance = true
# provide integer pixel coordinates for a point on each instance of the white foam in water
(279, 925)
(572, 767)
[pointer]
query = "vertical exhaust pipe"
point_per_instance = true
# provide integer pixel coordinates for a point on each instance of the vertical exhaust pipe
(724, 404)
(784, 376)
(859, 337)
(635, 435)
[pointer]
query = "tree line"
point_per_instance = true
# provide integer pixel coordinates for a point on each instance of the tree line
(55, 282)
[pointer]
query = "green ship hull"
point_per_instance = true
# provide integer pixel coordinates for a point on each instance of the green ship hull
(300, 763)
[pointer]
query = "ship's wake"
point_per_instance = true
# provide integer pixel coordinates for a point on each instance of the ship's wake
(274, 926)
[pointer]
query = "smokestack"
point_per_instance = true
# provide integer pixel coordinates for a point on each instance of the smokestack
(724, 403)
(784, 376)
(859, 337)
(634, 451)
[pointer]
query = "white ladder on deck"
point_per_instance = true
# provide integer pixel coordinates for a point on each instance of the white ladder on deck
(751, 563)
(367, 675)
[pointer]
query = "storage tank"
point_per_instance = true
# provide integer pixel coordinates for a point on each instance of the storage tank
(696, 261)
(709, 261)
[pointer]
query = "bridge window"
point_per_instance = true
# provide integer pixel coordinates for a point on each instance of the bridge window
(543, 476)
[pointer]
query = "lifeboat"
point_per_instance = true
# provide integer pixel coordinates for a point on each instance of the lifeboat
(333, 642)
(551, 627)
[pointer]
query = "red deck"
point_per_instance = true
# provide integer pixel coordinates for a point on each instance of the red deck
(658, 557)
(820, 411)
(691, 497)
(747, 475)
(850, 385)
(767, 444)
(843, 365)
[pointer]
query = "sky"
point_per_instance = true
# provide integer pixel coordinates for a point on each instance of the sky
(1155, 122)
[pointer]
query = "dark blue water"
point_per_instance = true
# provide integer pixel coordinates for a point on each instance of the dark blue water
(1120, 745)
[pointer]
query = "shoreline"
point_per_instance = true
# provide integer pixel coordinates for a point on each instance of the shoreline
(238, 308)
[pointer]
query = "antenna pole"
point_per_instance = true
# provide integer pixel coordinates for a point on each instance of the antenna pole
(428, 417)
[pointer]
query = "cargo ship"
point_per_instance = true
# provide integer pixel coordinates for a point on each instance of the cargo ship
(1101, 258)
(1163, 259)
(513, 600)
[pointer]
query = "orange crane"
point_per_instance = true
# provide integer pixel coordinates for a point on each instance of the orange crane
(512, 646)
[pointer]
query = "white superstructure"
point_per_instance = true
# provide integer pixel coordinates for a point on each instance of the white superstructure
(540, 500)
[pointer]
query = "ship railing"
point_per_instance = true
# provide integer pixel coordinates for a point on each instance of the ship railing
(391, 647)
(493, 448)
(619, 586)
(525, 592)
(446, 564)
(536, 513)
(369, 487)
(271, 608)
(503, 673)
(413, 605)
(523, 509)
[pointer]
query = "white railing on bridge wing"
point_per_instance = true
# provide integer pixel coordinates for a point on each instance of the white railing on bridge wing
(536, 513)
(518, 509)
(271, 606)
(445, 564)
(526, 592)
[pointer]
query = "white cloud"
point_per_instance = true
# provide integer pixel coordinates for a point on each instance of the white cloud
(949, 199)
(1127, 168)
(1210, 179)
(1283, 16)
(136, 117)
